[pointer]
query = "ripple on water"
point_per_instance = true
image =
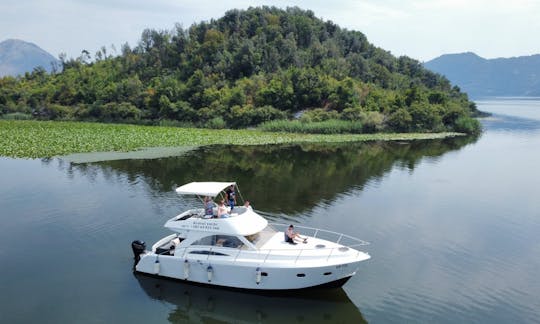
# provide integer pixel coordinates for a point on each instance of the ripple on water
(466, 278)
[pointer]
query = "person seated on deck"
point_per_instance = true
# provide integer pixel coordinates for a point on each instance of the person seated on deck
(291, 235)
(222, 210)
(208, 207)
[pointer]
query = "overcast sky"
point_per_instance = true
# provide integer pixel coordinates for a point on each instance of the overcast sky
(421, 29)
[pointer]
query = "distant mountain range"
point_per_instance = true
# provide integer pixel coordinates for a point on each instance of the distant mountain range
(18, 57)
(480, 77)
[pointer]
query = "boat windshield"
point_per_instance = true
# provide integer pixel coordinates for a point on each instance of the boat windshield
(219, 240)
(260, 238)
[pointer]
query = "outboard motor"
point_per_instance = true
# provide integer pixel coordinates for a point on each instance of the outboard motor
(138, 248)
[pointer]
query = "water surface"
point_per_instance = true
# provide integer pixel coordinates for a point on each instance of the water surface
(454, 227)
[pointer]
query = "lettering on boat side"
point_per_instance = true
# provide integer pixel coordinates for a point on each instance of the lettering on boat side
(205, 226)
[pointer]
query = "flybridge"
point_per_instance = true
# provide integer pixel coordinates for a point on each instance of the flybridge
(243, 221)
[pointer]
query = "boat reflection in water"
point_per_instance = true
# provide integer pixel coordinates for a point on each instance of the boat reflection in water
(196, 304)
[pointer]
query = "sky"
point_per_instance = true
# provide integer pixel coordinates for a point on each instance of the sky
(421, 29)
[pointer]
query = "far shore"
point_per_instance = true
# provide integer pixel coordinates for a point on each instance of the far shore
(44, 139)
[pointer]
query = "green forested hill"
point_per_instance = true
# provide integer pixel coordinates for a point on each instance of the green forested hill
(248, 67)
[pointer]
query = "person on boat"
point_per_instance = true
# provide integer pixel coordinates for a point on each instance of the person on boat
(222, 210)
(231, 196)
(291, 235)
(208, 207)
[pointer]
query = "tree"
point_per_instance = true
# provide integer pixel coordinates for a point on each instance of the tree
(400, 120)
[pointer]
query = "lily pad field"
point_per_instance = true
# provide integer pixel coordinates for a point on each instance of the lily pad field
(41, 139)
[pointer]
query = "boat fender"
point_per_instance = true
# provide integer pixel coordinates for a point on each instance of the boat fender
(186, 269)
(156, 266)
(258, 274)
(210, 273)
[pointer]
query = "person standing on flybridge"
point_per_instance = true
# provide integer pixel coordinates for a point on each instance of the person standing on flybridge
(231, 196)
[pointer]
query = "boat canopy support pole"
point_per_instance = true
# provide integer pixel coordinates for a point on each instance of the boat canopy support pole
(240, 194)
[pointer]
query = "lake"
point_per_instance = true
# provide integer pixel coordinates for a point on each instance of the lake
(454, 227)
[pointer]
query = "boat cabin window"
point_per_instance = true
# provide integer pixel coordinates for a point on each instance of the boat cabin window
(205, 252)
(253, 238)
(220, 240)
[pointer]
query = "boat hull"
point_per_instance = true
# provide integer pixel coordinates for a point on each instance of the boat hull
(246, 275)
(329, 285)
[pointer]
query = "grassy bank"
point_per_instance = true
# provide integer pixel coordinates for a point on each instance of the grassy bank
(38, 139)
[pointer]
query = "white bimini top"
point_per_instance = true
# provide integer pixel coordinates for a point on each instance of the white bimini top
(211, 189)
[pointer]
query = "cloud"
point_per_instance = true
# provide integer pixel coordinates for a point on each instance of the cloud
(421, 29)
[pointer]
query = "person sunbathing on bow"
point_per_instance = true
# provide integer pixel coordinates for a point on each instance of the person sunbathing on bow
(291, 236)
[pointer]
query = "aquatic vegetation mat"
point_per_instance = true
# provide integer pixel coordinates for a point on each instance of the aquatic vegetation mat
(39, 139)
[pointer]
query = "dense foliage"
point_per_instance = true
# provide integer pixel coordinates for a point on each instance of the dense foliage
(248, 67)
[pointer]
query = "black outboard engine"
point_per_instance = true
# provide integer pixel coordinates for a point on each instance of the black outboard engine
(138, 248)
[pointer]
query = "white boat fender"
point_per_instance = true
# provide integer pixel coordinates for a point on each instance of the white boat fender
(156, 266)
(258, 275)
(186, 269)
(210, 272)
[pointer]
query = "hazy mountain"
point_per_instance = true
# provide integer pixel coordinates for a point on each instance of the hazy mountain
(479, 77)
(18, 57)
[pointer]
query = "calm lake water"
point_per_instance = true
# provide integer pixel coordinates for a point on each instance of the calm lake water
(454, 227)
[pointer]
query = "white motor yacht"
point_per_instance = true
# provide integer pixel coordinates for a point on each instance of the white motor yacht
(245, 251)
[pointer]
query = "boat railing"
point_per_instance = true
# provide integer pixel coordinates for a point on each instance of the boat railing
(285, 254)
(338, 238)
